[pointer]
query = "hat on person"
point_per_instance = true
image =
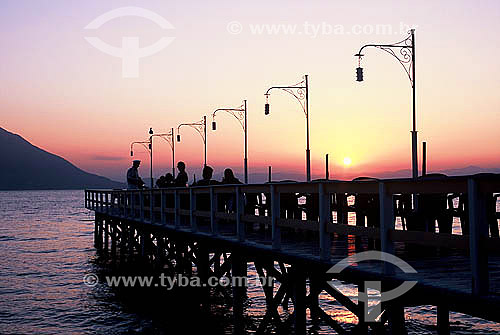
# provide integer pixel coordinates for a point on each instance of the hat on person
(136, 161)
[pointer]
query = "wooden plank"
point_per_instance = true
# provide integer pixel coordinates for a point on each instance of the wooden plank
(225, 216)
(256, 219)
(186, 212)
(370, 187)
(445, 185)
(203, 214)
(430, 239)
(299, 224)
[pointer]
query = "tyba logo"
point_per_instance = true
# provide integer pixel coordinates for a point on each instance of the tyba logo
(130, 53)
(372, 314)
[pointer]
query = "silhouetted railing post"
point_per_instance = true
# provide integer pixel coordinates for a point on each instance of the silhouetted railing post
(141, 204)
(107, 203)
(478, 237)
(151, 206)
(163, 198)
(177, 206)
(192, 209)
(240, 225)
(213, 209)
(324, 219)
(131, 199)
(386, 223)
(275, 216)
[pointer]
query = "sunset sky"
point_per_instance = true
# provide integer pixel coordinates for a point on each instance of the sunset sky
(69, 98)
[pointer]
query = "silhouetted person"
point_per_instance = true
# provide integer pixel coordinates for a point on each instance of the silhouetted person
(203, 200)
(229, 178)
(133, 179)
(207, 177)
(182, 177)
(229, 199)
(165, 181)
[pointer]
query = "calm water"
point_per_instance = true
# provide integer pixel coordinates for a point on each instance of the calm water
(46, 248)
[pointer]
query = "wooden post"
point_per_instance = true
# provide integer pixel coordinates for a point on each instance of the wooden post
(192, 209)
(106, 233)
(107, 202)
(238, 270)
(177, 209)
(141, 203)
(240, 225)
(386, 223)
(113, 239)
(214, 228)
(299, 293)
(275, 215)
(443, 320)
(163, 217)
(477, 238)
(142, 238)
(151, 207)
(131, 204)
(324, 218)
(269, 177)
(96, 231)
(131, 242)
(424, 158)
(327, 168)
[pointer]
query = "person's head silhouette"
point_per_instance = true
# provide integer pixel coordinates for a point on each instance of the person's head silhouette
(136, 163)
(207, 172)
(169, 177)
(181, 166)
(228, 174)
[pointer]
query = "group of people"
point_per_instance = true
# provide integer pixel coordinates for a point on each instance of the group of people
(168, 180)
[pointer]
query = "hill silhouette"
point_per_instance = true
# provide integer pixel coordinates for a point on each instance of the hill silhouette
(27, 167)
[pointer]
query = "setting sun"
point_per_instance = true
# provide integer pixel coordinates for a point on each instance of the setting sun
(347, 161)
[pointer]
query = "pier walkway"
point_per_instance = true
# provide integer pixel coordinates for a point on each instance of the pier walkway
(219, 229)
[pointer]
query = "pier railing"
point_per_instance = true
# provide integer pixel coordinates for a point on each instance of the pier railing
(266, 204)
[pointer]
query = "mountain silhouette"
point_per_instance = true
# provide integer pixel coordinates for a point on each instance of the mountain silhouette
(27, 167)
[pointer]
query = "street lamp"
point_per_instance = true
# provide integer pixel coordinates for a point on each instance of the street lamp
(169, 138)
(302, 97)
(148, 147)
(201, 128)
(404, 52)
(241, 115)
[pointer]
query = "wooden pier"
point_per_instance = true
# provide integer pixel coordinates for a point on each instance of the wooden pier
(219, 229)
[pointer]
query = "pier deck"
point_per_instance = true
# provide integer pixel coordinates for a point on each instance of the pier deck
(453, 272)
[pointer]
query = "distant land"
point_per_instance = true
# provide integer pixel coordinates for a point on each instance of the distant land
(405, 173)
(27, 167)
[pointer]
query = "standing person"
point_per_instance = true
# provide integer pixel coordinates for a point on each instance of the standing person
(182, 177)
(133, 179)
(229, 199)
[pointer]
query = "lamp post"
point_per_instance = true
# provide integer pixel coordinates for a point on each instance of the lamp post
(169, 138)
(241, 115)
(404, 52)
(301, 92)
(148, 147)
(201, 128)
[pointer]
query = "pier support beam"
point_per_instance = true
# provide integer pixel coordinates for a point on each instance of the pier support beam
(239, 271)
(299, 294)
(443, 320)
